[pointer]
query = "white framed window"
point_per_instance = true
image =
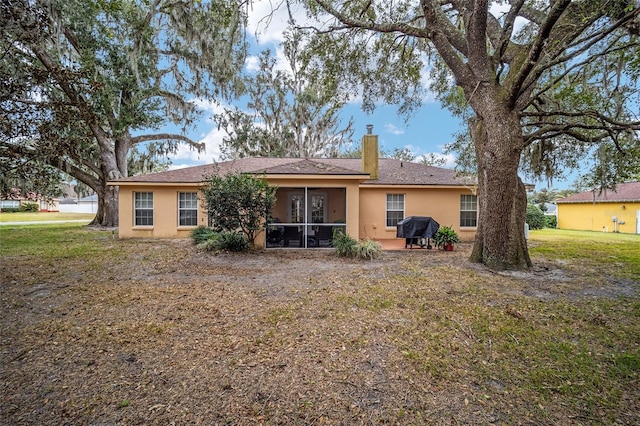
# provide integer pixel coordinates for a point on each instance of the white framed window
(468, 210)
(296, 208)
(187, 209)
(395, 209)
(143, 208)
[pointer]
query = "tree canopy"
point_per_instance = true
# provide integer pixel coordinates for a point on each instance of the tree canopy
(84, 82)
(546, 83)
(291, 112)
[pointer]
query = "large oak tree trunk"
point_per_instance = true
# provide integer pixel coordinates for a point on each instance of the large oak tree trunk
(107, 214)
(111, 169)
(500, 241)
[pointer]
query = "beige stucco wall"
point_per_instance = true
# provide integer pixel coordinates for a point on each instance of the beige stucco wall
(442, 204)
(598, 216)
(165, 213)
(365, 207)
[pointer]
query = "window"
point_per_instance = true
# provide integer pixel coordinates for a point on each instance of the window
(395, 209)
(188, 209)
(9, 204)
(318, 208)
(143, 208)
(468, 210)
(296, 208)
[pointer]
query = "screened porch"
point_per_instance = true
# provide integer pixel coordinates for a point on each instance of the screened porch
(306, 217)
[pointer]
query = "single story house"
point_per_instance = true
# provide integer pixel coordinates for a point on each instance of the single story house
(88, 204)
(43, 205)
(365, 197)
(606, 211)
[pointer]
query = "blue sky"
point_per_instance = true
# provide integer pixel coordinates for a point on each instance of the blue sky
(428, 130)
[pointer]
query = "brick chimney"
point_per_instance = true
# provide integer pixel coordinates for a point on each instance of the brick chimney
(370, 153)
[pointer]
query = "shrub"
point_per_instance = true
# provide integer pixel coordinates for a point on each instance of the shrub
(344, 244)
(239, 202)
(211, 244)
(202, 234)
(231, 241)
(368, 249)
(347, 246)
(445, 235)
(551, 221)
(535, 217)
(29, 207)
(10, 210)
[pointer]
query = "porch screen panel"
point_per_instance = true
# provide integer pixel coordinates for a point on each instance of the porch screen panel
(395, 209)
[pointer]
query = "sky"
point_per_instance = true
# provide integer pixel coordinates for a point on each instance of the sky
(426, 131)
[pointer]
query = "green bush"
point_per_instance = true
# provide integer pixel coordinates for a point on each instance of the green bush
(29, 207)
(10, 210)
(368, 249)
(535, 217)
(201, 234)
(445, 235)
(225, 241)
(211, 244)
(347, 246)
(551, 221)
(231, 241)
(344, 244)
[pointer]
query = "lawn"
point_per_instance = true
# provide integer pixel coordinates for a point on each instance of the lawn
(44, 216)
(97, 330)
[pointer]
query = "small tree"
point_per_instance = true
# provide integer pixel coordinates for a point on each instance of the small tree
(238, 202)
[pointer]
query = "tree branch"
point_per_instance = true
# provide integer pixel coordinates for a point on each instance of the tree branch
(200, 146)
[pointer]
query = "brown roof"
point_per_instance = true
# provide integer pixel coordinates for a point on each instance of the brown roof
(625, 192)
(391, 172)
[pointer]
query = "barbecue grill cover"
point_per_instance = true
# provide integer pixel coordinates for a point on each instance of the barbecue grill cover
(417, 227)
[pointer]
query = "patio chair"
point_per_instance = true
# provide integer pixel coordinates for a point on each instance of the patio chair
(291, 233)
(324, 233)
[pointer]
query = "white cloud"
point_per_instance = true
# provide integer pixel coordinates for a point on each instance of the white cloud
(268, 19)
(211, 136)
(252, 63)
(186, 156)
(450, 159)
(393, 129)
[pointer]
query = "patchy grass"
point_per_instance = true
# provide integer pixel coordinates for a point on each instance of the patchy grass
(611, 253)
(55, 241)
(104, 331)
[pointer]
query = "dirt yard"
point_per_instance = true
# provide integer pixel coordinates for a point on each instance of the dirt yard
(148, 332)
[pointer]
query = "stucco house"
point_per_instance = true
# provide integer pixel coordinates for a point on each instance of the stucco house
(366, 197)
(606, 211)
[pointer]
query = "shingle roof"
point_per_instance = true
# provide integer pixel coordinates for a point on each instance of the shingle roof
(391, 172)
(625, 192)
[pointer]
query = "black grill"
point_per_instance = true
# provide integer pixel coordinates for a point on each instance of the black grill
(417, 230)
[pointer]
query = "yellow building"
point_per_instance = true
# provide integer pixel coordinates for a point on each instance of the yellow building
(606, 211)
(365, 197)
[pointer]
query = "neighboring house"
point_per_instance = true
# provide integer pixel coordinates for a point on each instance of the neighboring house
(43, 205)
(606, 211)
(87, 204)
(551, 209)
(366, 197)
